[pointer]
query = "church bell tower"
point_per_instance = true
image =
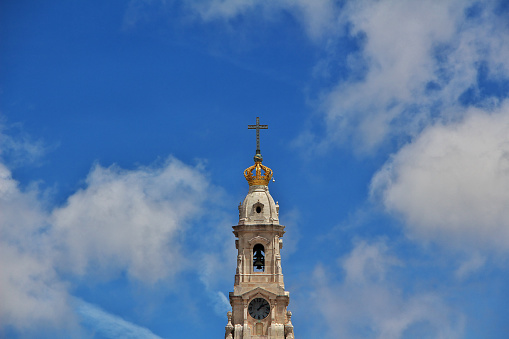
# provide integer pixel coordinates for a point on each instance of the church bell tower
(259, 300)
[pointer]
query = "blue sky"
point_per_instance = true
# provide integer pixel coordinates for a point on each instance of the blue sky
(123, 138)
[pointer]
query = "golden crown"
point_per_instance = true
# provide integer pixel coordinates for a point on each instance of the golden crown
(254, 174)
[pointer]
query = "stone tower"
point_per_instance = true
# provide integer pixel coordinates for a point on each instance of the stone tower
(259, 300)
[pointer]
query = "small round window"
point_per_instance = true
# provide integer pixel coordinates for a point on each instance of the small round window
(258, 209)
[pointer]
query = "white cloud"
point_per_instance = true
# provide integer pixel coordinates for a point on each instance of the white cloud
(368, 262)
(222, 9)
(451, 185)
(30, 290)
(109, 325)
(31, 293)
(123, 220)
(401, 39)
(21, 149)
(473, 264)
(317, 16)
(368, 304)
(130, 220)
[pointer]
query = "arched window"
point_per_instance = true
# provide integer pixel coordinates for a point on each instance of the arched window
(258, 258)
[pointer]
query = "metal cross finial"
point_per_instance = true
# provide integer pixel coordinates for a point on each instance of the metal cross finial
(258, 127)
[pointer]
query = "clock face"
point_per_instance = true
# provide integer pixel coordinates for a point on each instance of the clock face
(259, 308)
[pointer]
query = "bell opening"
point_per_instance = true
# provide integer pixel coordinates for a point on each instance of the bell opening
(258, 258)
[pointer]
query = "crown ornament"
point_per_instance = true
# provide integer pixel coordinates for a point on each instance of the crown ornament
(253, 174)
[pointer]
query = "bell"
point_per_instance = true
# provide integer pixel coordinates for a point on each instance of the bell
(258, 257)
(258, 264)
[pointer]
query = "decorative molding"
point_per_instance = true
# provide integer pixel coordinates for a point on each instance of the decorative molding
(259, 240)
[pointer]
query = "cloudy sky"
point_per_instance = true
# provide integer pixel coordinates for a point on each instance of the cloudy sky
(123, 138)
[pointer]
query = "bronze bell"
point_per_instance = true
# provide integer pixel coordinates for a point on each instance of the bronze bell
(258, 260)
(258, 264)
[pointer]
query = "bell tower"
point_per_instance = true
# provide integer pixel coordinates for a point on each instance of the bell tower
(259, 300)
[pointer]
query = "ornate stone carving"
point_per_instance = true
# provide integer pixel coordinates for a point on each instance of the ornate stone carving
(289, 326)
(278, 264)
(229, 327)
(238, 332)
(239, 264)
